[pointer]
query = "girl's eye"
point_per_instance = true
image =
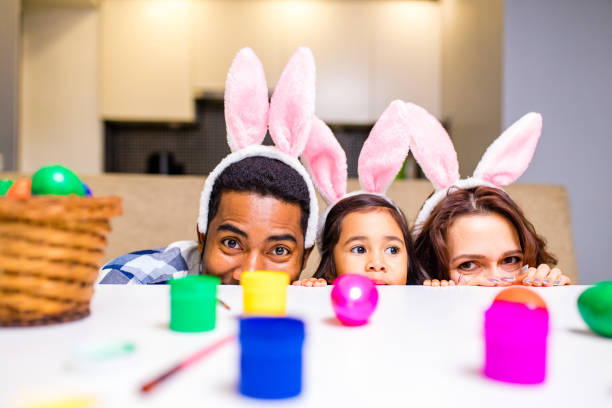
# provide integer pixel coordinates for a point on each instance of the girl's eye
(358, 249)
(468, 266)
(230, 243)
(281, 251)
(392, 250)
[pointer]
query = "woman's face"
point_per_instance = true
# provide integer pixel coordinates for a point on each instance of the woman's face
(485, 246)
(372, 244)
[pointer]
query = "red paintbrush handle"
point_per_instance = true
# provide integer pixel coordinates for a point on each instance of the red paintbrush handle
(187, 362)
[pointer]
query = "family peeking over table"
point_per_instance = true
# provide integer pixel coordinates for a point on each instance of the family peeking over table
(259, 209)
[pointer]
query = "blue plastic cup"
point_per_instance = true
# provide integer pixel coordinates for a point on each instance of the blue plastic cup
(271, 357)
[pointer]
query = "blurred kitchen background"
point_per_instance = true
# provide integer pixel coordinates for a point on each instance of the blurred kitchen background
(137, 85)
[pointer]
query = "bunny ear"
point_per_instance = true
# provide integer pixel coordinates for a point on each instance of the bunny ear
(385, 150)
(432, 148)
(508, 157)
(246, 101)
(326, 162)
(292, 106)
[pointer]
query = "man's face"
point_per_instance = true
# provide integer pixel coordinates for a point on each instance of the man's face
(253, 232)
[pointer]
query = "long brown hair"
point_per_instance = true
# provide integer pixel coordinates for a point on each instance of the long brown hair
(333, 225)
(430, 244)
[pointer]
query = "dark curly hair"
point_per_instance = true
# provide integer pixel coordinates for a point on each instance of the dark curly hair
(264, 176)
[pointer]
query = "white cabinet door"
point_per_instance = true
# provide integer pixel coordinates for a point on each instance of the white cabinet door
(146, 60)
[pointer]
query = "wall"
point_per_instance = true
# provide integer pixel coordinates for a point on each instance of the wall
(59, 88)
(9, 82)
(472, 75)
(557, 60)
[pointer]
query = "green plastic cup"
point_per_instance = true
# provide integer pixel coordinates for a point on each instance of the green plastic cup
(193, 303)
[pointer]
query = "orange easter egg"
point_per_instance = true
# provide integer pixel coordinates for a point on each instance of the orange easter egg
(20, 189)
(517, 294)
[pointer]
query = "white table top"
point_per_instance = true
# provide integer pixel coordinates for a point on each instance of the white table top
(422, 347)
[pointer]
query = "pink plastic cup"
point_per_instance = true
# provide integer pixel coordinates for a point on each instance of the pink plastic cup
(515, 341)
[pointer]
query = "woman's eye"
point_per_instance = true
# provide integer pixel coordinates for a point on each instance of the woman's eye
(468, 266)
(230, 243)
(511, 263)
(511, 260)
(358, 249)
(392, 250)
(281, 251)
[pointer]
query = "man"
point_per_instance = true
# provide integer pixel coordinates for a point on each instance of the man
(257, 220)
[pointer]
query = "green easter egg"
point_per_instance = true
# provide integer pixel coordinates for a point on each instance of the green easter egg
(595, 306)
(56, 180)
(4, 186)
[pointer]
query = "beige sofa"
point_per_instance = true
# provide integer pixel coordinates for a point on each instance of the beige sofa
(162, 209)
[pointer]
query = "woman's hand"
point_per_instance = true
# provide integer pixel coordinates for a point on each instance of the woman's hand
(544, 276)
(310, 282)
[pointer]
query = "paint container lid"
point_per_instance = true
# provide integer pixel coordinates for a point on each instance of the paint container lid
(264, 279)
(193, 301)
(204, 286)
(271, 357)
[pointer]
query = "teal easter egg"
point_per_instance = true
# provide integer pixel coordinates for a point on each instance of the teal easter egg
(4, 186)
(56, 180)
(595, 306)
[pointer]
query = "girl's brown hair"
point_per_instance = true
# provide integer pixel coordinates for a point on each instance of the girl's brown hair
(333, 224)
(430, 244)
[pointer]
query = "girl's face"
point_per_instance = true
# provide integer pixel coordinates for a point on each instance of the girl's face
(486, 246)
(372, 244)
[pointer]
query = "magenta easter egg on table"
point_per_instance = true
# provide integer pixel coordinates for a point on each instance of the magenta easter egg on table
(354, 299)
(56, 180)
(516, 333)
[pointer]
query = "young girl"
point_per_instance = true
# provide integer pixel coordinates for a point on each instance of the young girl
(362, 232)
(470, 232)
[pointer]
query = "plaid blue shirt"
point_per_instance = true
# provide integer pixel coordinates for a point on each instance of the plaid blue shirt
(154, 266)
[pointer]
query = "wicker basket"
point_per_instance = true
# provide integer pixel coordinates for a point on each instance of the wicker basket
(50, 252)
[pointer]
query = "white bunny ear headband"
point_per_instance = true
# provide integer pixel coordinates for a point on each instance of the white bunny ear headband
(248, 116)
(381, 158)
(504, 161)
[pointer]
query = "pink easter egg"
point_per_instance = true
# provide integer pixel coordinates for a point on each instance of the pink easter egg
(354, 299)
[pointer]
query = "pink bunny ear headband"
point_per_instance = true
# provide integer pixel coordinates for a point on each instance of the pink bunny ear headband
(381, 158)
(505, 160)
(248, 116)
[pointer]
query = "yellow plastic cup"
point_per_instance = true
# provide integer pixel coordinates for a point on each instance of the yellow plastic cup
(265, 292)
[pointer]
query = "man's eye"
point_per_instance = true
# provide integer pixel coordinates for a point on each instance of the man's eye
(392, 250)
(230, 243)
(358, 249)
(468, 266)
(281, 251)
